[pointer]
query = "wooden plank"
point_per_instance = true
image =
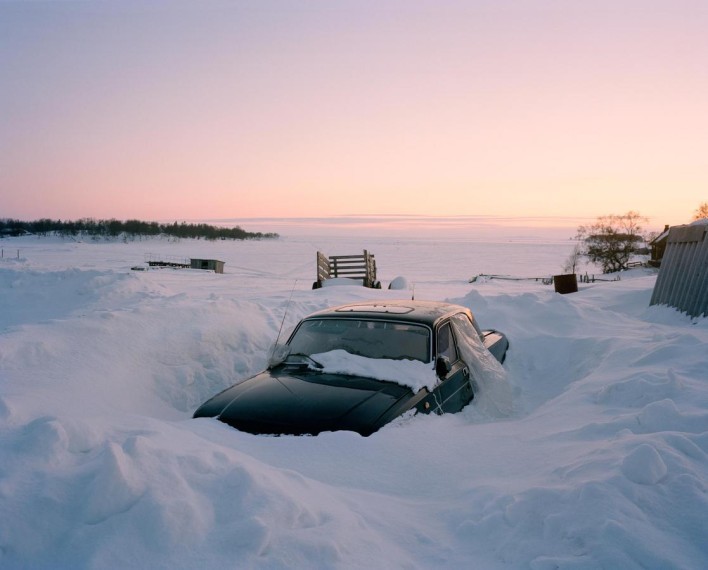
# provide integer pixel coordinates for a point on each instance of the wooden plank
(350, 261)
(323, 268)
(341, 272)
(362, 266)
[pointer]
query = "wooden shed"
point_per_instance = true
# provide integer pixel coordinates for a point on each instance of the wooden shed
(208, 264)
(657, 247)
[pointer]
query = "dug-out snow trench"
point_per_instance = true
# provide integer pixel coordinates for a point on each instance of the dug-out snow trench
(180, 347)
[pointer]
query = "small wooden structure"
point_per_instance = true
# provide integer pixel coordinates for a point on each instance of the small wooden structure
(171, 261)
(207, 264)
(657, 247)
(358, 267)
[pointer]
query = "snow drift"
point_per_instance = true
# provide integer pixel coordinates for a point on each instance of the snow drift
(599, 459)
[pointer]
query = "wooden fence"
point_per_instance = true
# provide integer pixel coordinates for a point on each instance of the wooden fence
(360, 267)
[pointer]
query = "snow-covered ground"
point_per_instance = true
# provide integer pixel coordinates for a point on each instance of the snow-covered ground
(601, 464)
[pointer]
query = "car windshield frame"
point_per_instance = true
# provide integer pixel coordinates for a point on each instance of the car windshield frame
(371, 338)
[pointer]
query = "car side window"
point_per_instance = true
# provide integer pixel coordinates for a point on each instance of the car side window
(446, 343)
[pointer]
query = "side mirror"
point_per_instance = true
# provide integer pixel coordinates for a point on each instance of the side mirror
(442, 366)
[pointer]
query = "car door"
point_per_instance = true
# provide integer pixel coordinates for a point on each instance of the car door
(454, 391)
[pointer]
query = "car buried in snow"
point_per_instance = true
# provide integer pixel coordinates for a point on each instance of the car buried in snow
(360, 366)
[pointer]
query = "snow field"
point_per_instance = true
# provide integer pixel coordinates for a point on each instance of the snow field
(601, 462)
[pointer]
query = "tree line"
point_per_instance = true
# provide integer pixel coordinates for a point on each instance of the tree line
(130, 228)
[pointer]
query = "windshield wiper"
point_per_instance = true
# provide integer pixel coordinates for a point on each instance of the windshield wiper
(311, 361)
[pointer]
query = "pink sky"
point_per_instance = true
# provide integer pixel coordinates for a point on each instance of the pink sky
(175, 110)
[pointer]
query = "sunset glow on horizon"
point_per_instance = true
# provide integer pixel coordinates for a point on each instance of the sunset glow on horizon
(542, 110)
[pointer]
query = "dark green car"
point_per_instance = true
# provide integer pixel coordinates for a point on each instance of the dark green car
(357, 367)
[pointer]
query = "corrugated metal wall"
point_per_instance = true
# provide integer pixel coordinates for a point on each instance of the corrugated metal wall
(683, 276)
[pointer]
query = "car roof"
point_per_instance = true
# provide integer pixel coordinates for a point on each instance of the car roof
(424, 312)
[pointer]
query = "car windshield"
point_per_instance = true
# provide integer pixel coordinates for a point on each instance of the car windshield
(368, 338)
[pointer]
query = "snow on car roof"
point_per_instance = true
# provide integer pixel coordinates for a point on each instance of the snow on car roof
(395, 309)
(428, 312)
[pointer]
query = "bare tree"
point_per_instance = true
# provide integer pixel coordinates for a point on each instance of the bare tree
(701, 212)
(571, 264)
(612, 240)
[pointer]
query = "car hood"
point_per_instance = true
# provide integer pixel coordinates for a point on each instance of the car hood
(289, 401)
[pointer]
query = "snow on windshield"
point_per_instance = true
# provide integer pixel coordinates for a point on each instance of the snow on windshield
(411, 373)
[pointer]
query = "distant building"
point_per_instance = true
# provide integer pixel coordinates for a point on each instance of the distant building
(657, 247)
(208, 264)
